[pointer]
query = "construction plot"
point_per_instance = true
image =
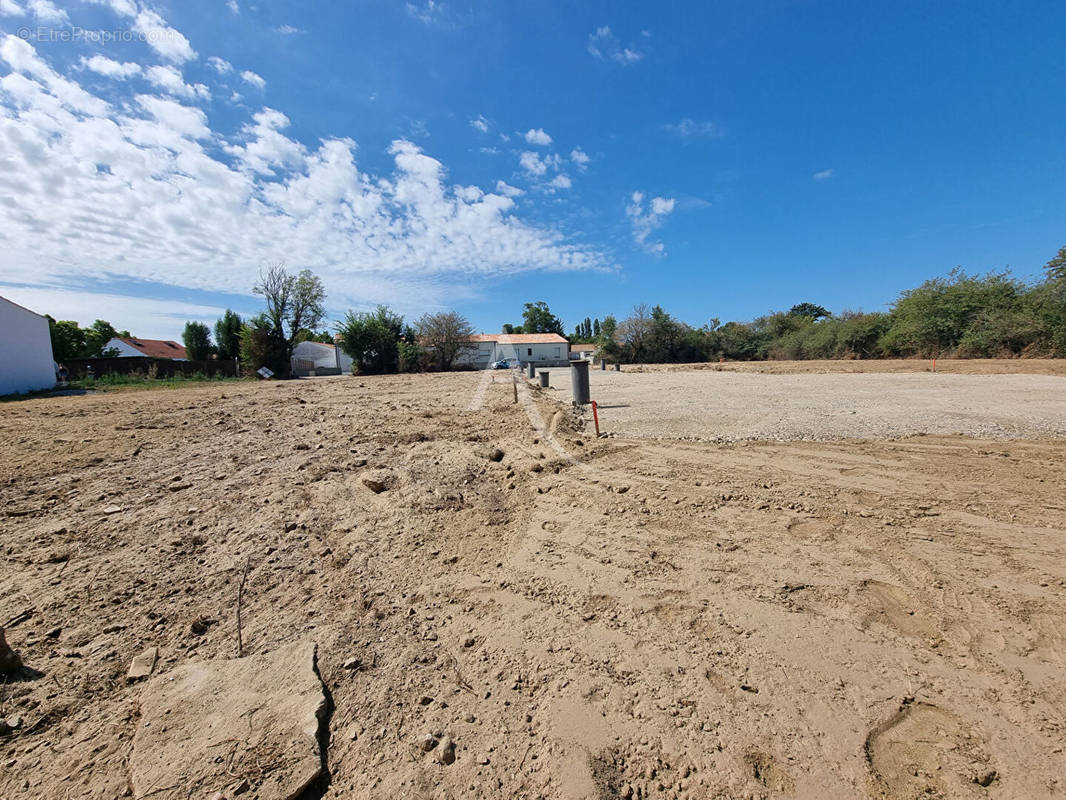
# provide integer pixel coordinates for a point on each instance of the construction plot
(405, 586)
(729, 405)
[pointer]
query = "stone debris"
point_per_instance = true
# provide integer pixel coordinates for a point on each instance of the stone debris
(143, 665)
(378, 481)
(446, 751)
(195, 723)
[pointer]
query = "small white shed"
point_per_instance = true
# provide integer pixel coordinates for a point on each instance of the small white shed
(25, 350)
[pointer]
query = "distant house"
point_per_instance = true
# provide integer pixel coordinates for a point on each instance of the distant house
(319, 358)
(131, 347)
(586, 352)
(25, 350)
(544, 349)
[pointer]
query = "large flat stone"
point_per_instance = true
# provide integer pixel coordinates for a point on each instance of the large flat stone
(208, 726)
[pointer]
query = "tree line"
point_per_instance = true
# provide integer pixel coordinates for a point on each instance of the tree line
(961, 315)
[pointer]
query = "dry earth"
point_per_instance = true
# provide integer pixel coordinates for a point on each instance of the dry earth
(584, 618)
(733, 405)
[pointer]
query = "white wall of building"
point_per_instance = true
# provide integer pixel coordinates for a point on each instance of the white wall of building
(536, 352)
(323, 357)
(124, 350)
(25, 350)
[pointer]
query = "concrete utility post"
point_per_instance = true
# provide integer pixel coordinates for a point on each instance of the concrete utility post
(544, 379)
(603, 363)
(579, 382)
(532, 371)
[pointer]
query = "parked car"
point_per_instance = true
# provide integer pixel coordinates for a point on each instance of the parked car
(504, 364)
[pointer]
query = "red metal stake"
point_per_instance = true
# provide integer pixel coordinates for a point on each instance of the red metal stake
(596, 419)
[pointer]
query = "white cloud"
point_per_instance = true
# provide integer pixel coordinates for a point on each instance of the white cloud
(507, 190)
(102, 65)
(255, 80)
(232, 6)
(46, 11)
(12, 8)
(145, 190)
(688, 128)
(537, 136)
(560, 182)
(219, 65)
(168, 42)
(427, 12)
(288, 30)
(645, 221)
(532, 163)
(824, 175)
(580, 158)
(171, 80)
(480, 123)
(604, 45)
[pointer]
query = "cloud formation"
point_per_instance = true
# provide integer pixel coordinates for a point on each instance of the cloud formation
(645, 219)
(143, 188)
(604, 45)
(538, 137)
(688, 128)
(824, 175)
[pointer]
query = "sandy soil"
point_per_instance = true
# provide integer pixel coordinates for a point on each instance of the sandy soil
(784, 406)
(585, 618)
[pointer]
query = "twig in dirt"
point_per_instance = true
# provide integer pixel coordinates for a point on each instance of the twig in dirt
(459, 676)
(19, 618)
(240, 600)
(92, 580)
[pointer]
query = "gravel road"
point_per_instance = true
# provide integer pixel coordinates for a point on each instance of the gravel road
(731, 406)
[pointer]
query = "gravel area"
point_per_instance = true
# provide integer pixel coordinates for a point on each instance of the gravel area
(731, 406)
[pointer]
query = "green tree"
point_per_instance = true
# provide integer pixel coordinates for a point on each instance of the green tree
(808, 310)
(509, 328)
(445, 335)
(1056, 267)
(97, 336)
(372, 339)
(260, 347)
(68, 340)
(197, 340)
(537, 318)
(294, 303)
(228, 335)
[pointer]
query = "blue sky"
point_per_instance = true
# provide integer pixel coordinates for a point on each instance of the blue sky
(721, 159)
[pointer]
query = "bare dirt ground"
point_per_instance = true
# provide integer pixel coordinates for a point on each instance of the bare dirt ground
(584, 618)
(732, 405)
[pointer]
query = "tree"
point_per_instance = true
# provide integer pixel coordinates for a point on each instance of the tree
(372, 339)
(509, 328)
(1056, 267)
(447, 334)
(294, 303)
(228, 335)
(197, 340)
(606, 343)
(808, 310)
(97, 336)
(68, 340)
(537, 318)
(260, 347)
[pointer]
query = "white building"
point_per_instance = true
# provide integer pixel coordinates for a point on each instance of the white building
(319, 358)
(135, 347)
(586, 352)
(543, 349)
(25, 350)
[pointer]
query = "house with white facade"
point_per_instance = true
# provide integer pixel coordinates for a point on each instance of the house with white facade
(135, 347)
(586, 352)
(543, 349)
(26, 363)
(319, 358)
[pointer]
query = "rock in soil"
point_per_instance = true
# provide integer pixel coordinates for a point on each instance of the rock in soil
(195, 722)
(446, 751)
(143, 665)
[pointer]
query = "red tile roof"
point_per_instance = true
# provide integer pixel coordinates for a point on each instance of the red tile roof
(518, 338)
(155, 348)
(582, 348)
